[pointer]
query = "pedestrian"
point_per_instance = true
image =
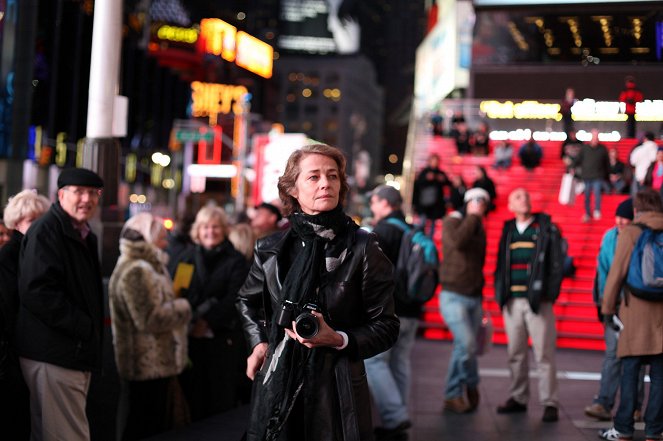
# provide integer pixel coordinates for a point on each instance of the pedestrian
(461, 277)
(428, 195)
(149, 327)
(641, 158)
(594, 163)
(217, 349)
(389, 373)
(641, 339)
(265, 220)
(630, 96)
(528, 276)
(530, 154)
(654, 178)
(20, 212)
(325, 289)
(61, 317)
(565, 110)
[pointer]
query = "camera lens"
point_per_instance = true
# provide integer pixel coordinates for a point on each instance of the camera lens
(306, 325)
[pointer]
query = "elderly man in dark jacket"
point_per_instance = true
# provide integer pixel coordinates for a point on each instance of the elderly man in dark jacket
(527, 281)
(61, 313)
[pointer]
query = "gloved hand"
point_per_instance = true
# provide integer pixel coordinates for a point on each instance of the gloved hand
(598, 314)
(609, 320)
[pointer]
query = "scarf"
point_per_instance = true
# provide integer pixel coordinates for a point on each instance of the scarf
(291, 364)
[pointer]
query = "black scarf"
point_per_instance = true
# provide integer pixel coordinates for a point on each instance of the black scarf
(324, 246)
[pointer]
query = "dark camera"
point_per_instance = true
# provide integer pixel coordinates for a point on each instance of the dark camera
(306, 324)
(286, 314)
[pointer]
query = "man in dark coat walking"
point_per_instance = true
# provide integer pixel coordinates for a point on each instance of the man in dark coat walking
(60, 320)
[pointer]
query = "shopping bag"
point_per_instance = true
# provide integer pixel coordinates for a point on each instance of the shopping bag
(567, 191)
(485, 335)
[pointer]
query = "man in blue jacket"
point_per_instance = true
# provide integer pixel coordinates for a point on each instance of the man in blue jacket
(60, 320)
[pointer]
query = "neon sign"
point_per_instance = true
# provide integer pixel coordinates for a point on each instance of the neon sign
(210, 99)
(220, 38)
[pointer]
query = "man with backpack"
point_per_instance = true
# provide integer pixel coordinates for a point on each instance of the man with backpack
(637, 260)
(461, 276)
(528, 276)
(389, 372)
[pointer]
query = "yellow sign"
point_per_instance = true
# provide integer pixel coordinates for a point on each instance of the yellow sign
(221, 38)
(218, 37)
(254, 55)
(174, 33)
(522, 110)
(210, 99)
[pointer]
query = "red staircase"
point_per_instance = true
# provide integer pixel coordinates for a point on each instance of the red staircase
(577, 324)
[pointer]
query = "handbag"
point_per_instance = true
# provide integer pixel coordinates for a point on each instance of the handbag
(485, 334)
(567, 190)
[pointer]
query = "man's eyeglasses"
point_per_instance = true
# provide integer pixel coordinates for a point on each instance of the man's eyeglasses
(93, 193)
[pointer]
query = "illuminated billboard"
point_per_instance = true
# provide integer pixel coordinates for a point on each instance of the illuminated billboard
(319, 27)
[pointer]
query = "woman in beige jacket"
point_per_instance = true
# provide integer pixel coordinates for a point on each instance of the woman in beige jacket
(641, 340)
(149, 326)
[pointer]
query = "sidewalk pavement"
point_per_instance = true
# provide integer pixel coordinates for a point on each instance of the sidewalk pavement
(578, 373)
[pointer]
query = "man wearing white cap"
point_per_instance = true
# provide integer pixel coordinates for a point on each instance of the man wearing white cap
(461, 277)
(528, 276)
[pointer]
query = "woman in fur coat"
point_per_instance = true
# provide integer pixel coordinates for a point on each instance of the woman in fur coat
(149, 327)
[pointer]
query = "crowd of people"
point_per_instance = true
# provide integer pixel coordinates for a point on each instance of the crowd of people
(297, 311)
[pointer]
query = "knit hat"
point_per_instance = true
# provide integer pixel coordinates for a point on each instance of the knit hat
(625, 209)
(476, 193)
(389, 193)
(81, 177)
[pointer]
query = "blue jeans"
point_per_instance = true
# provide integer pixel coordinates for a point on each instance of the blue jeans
(462, 314)
(389, 375)
(629, 396)
(593, 186)
(611, 373)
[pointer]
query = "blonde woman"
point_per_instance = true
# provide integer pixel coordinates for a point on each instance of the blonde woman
(149, 326)
(19, 214)
(215, 381)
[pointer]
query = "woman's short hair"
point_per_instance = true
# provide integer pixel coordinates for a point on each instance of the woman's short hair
(647, 199)
(287, 181)
(25, 204)
(243, 239)
(206, 214)
(142, 226)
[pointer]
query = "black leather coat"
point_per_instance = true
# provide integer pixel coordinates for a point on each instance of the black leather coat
(359, 302)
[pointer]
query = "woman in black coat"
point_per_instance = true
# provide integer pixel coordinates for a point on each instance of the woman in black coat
(215, 380)
(312, 385)
(483, 181)
(19, 214)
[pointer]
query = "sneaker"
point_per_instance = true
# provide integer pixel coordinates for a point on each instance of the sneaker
(585, 218)
(512, 406)
(597, 215)
(550, 414)
(597, 410)
(609, 434)
(472, 397)
(456, 405)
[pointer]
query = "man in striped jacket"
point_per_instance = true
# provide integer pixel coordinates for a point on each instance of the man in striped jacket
(527, 282)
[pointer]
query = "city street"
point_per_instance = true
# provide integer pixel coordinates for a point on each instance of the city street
(578, 373)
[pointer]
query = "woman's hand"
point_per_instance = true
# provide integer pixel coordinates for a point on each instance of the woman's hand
(256, 359)
(326, 336)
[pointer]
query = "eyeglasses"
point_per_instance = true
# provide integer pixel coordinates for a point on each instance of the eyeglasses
(93, 193)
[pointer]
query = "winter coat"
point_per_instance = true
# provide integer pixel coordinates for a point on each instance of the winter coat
(149, 324)
(545, 270)
(9, 255)
(464, 253)
(217, 276)
(428, 194)
(642, 319)
(60, 318)
(358, 302)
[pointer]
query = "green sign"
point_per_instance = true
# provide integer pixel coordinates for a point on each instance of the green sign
(194, 136)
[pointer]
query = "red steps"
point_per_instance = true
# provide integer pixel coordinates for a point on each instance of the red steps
(577, 323)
